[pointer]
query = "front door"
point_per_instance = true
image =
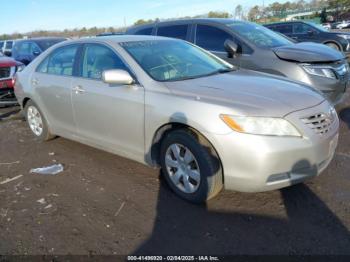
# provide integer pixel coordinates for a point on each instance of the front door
(108, 116)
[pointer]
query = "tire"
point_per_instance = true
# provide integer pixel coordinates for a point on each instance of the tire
(31, 109)
(205, 165)
(333, 46)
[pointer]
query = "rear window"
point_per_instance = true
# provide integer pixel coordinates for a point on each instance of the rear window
(45, 44)
(145, 31)
(174, 31)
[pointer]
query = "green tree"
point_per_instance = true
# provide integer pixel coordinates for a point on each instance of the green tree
(254, 13)
(238, 12)
(213, 14)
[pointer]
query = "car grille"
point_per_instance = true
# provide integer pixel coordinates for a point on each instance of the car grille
(320, 123)
(5, 72)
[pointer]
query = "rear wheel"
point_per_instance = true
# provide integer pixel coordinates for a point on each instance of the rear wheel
(37, 122)
(333, 45)
(191, 167)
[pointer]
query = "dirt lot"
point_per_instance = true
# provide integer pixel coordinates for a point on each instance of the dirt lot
(104, 204)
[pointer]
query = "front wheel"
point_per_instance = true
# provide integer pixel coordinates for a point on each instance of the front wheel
(191, 166)
(37, 122)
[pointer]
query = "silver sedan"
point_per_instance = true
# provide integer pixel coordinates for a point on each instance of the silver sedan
(168, 103)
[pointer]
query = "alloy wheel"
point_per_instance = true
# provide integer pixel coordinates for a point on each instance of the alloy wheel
(35, 120)
(183, 168)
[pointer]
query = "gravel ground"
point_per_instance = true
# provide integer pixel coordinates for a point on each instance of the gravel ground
(105, 204)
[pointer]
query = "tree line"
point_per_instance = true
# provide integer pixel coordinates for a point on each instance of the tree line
(257, 13)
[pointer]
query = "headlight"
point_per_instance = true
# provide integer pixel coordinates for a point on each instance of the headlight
(323, 71)
(347, 37)
(267, 126)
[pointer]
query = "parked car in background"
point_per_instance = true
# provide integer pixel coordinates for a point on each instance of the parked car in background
(327, 26)
(2, 43)
(166, 102)
(334, 25)
(7, 48)
(110, 33)
(309, 32)
(26, 50)
(8, 68)
(255, 47)
(343, 25)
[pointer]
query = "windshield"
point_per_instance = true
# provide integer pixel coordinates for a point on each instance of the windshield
(171, 60)
(259, 35)
(45, 44)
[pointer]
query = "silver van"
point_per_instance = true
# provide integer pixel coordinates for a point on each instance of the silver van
(255, 47)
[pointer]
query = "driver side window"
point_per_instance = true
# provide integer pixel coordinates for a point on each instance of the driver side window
(211, 38)
(98, 58)
(302, 28)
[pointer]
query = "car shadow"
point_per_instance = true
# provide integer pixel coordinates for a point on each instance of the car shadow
(309, 228)
(345, 116)
(9, 112)
(306, 226)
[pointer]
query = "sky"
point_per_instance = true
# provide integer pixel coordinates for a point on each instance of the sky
(28, 15)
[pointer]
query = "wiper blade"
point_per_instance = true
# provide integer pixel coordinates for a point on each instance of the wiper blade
(226, 70)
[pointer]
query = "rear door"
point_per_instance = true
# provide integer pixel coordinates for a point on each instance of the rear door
(52, 83)
(109, 116)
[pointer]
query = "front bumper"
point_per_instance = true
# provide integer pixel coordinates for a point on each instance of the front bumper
(254, 163)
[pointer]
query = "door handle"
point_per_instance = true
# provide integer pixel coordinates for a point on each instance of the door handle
(78, 90)
(35, 82)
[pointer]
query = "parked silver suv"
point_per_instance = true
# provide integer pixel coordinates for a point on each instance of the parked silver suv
(165, 102)
(261, 49)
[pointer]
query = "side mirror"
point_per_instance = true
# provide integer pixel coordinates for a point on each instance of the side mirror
(231, 47)
(36, 53)
(7, 53)
(116, 76)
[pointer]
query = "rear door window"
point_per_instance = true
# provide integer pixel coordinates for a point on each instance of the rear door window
(174, 31)
(145, 31)
(211, 38)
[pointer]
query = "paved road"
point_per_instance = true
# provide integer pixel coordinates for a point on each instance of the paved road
(104, 204)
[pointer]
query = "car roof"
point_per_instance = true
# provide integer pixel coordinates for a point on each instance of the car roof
(288, 22)
(224, 21)
(40, 39)
(120, 39)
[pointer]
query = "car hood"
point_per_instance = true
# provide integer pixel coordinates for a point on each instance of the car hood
(308, 53)
(249, 93)
(7, 62)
